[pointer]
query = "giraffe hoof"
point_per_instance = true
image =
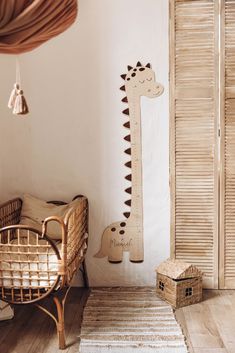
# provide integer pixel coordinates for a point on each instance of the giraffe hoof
(115, 262)
(137, 261)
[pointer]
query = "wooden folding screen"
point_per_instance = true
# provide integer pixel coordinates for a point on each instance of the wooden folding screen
(227, 192)
(194, 82)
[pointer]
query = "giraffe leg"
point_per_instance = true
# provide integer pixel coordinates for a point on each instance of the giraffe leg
(136, 251)
(115, 253)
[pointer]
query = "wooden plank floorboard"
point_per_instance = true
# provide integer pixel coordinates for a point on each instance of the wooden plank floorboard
(181, 319)
(209, 325)
(13, 332)
(73, 332)
(224, 317)
(45, 336)
(32, 331)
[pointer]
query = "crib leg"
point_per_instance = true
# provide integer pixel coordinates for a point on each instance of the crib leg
(59, 318)
(60, 323)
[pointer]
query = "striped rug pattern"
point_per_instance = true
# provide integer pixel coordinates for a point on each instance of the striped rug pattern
(129, 320)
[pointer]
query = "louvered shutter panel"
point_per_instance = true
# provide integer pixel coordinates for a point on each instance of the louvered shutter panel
(227, 274)
(194, 194)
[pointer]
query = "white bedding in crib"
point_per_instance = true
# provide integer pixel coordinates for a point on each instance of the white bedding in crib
(30, 267)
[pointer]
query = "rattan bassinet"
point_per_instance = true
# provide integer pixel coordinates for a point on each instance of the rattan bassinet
(33, 266)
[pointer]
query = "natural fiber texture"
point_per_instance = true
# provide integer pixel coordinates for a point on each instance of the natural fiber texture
(129, 320)
(13, 96)
(177, 269)
(31, 264)
(26, 24)
(20, 104)
(10, 212)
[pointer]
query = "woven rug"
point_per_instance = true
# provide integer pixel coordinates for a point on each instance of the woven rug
(129, 320)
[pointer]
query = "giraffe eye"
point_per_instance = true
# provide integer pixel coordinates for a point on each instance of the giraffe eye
(149, 79)
(141, 81)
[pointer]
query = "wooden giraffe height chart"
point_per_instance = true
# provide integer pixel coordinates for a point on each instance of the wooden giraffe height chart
(127, 235)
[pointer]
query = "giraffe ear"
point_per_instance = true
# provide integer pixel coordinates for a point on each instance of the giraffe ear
(139, 64)
(148, 65)
(129, 67)
(123, 76)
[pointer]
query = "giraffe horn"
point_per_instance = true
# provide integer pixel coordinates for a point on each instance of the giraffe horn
(128, 202)
(123, 88)
(126, 111)
(128, 190)
(127, 138)
(128, 151)
(126, 214)
(123, 76)
(125, 100)
(128, 164)
(127, 125)
(138, 64)
(128, 177)
(129, 67)
(148, 65)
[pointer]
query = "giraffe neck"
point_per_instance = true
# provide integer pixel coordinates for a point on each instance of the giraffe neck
(136, 160)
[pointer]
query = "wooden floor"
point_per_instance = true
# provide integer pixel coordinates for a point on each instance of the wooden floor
(210, 325)
(32, 331)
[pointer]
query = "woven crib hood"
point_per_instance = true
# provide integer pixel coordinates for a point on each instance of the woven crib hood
(26, 24)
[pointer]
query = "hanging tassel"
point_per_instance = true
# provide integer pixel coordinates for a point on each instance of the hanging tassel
(17, 100)
(13, 96)
(20, 106)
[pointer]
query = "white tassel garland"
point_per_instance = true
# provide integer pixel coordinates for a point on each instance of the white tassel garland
(13, 96)
(20, 106)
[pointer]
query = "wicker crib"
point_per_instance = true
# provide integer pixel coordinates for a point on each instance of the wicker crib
(33, 266)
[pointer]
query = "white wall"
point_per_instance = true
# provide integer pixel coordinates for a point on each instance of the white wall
(72, 141)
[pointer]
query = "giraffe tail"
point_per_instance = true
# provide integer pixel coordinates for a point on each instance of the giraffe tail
(103, 252)
(100, 254)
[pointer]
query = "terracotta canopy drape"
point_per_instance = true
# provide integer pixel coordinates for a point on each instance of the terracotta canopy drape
(26, 24)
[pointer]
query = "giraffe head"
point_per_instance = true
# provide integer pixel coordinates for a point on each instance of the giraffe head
(140, 80)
